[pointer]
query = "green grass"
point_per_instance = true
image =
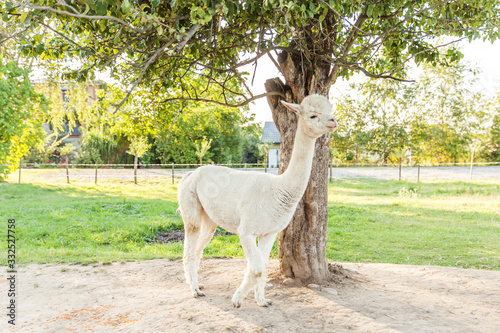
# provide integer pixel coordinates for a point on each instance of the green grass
(434, 223)
(438, 223)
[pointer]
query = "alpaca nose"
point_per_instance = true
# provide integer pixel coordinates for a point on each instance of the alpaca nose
(333, 125)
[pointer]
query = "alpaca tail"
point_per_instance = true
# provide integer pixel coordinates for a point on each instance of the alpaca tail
(185, 177)
(181, 194)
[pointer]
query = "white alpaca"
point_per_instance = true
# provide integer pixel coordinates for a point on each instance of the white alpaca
(250, 204)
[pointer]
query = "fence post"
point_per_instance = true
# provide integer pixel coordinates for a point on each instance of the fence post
(20, 165)
(418, 173)
(400, 169)
(471, 164)
(96, 173)
(135, 169)
(67, 169)
(331, 171)
(172, 173)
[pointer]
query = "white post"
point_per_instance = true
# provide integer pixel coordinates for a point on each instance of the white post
(67, 169)
(471, 164)
(135, 169)
(331, 171)
(20, 165)
(172, 173)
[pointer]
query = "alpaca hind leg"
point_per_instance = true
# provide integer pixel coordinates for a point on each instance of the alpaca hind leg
(206, 233)
(190, 242)
(266, 243)
(190, 209)
(255, 269)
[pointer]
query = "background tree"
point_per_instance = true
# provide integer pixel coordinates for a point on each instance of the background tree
(65, 151)
(22, 111)
(374, 118)
(448, 113)
(436, 117)
(250, 141)
(138, 147)
(312, 43)
(492, 146)
(201, 148)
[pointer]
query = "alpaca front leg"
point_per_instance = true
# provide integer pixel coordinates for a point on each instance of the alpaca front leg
(266, 243)
(249, 281)
(255, 269)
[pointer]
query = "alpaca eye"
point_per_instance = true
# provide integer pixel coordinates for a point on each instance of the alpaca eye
(313, 117)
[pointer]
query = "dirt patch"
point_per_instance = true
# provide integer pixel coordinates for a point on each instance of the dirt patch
(178, 236)
(151, 296)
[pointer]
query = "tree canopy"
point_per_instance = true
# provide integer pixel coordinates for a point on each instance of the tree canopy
(158, 42)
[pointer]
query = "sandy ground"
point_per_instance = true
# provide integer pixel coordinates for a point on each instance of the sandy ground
(386, 173)
(151, 296)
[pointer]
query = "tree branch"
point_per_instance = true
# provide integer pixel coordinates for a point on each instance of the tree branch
(247, 101)
(186, 37)
(347, 45)
(141, 74)
(14, 35)
(88, 17)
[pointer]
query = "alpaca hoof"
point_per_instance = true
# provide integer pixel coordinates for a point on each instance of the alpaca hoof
(236, 302)
(265, 303)
(197, 293)
(200, 286)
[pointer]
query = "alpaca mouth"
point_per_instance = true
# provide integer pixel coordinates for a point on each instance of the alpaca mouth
(331, 128)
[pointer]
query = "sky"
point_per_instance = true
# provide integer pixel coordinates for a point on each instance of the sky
(482, 55)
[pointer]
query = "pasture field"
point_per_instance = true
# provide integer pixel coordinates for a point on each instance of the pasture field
(444, 223)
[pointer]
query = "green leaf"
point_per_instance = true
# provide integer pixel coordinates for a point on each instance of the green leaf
(369, 10)
(23, 17)
(102, 25)
(125, 6)
(101, 8)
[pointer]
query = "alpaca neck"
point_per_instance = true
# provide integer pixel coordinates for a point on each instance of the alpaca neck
(298, 172)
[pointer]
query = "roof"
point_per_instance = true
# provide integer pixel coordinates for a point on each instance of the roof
(270, 133)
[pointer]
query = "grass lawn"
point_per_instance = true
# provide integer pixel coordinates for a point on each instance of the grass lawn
(437, 223)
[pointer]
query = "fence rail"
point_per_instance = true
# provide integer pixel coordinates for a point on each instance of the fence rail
(239, 165)
(125, 172)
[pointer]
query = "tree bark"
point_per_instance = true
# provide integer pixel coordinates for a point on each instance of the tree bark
(302, 245)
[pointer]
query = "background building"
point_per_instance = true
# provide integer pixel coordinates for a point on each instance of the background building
(271, 137)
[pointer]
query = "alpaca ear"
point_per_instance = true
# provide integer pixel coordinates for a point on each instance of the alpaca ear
(295, 108)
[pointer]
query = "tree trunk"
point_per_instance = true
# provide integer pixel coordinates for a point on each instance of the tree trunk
(302, 245)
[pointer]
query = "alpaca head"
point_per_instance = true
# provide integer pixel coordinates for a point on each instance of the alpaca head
(315, 114)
